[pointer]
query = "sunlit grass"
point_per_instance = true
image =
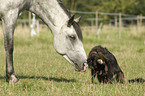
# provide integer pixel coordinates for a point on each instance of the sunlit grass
(43, 72)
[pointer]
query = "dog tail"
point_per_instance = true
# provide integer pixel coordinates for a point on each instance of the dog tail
(138, 80)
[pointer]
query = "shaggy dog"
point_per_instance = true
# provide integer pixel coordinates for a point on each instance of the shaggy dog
(104, 64)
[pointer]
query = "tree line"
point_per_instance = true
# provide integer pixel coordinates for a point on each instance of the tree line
(134, 7)
(131, 7)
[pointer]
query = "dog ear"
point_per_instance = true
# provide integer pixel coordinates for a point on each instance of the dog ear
(92, 55)
(91, 60)
(103, 56)
(90, 63)
(100, 61)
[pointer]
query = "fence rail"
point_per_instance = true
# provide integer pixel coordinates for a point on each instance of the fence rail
(118, 20)
(102, 13)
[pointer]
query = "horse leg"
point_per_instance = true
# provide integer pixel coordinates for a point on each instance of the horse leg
(9, 22)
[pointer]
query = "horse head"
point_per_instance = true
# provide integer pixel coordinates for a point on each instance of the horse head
(68, 43)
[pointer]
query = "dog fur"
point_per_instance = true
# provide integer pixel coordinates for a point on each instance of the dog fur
(104, 64)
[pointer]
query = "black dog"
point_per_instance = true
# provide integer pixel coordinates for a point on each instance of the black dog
(104, 64)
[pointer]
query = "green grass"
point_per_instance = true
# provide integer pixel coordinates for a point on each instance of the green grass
(43, 72)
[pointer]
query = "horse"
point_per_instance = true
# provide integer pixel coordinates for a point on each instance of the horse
(67, 35)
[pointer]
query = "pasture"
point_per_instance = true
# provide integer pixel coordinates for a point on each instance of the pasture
(43, 72)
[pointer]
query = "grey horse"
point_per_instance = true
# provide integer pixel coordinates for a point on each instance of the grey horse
(65, 29)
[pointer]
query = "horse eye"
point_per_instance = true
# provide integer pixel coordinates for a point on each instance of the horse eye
(72, 37)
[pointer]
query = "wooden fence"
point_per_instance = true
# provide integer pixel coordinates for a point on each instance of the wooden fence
(118, 18)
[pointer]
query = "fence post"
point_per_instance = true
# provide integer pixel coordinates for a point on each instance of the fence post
(92, 24)
(33, 32)
(115, 21)
(120, 24)
(29, 21)
(98, 31)
(96, 22)
(138, 23)
(141, 21)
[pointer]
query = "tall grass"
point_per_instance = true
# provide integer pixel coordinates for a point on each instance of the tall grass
(43, 72)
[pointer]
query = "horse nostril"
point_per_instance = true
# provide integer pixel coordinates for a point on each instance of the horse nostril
(85, 65)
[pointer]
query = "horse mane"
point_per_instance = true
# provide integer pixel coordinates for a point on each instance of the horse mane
(75, 24)
(63, 7)
(78, 30)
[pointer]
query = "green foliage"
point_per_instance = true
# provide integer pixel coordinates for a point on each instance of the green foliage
(131, 7)
(134, 7)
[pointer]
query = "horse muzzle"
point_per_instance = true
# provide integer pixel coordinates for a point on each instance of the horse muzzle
(77, 67)
(83, 69)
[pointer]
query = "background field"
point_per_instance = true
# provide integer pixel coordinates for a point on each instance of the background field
(43, 72)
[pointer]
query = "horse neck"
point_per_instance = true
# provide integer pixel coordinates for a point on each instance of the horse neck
(50, 12)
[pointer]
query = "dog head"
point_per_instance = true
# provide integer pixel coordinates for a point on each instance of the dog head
(97, 61)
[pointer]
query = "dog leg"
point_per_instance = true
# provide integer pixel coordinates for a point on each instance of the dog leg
(93, 74)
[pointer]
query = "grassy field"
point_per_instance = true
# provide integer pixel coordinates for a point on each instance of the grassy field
(43, 72)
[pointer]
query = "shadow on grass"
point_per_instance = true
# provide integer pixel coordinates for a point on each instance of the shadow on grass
(44, 78)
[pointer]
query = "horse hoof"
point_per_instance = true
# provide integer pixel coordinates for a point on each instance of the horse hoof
(13, 80)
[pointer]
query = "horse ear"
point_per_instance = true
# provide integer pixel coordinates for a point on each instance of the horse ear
(78, 19)
(71, 20)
